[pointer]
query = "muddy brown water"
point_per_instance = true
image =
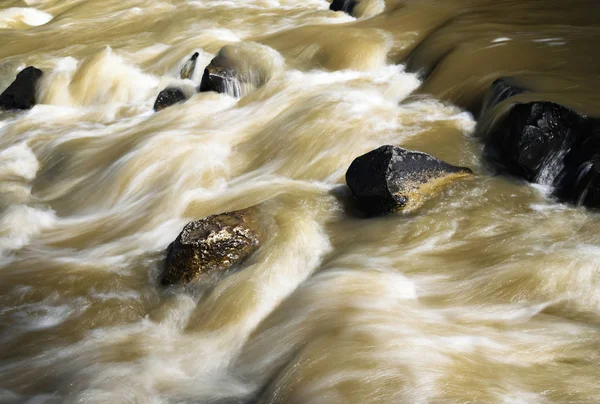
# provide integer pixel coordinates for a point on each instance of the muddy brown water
(487, 294)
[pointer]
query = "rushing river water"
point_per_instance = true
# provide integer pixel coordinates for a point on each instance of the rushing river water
(487, 294)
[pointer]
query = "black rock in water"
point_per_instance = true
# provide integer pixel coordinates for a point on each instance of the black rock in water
(547, 143)
(168, 97)
(21, 93)
(213, 244)
(221, 80)
(391, 178)
(534, 136)
(346, 6)
(240, 68)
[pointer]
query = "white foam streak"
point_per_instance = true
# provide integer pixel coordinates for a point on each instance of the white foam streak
(15, 16)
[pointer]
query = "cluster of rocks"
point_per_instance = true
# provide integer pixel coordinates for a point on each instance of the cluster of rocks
(388, 179)
(538, 141)
(236, 70)
(230, 72)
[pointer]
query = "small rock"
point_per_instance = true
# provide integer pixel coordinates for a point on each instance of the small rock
(213, 244)
(168, 97)
(240, 68)
(21, 93)
(220, 80)
(346, 6)
(187, 71)
(391, 178)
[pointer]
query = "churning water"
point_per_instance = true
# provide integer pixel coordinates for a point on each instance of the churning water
(490, 293)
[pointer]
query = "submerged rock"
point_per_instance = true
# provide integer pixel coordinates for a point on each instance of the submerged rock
(240, 68)
(213, 244)
(547, 143)
(21, 93)
(346, 6)
(582, 186)
(187, 71)
(501, 90)
(168, 97)
(391, 178)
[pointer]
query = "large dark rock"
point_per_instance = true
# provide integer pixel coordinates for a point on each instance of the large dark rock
(168, 97)
(391, 178)
(346, 6)
(187, 71)
(547, 143)
(213, 244)
(21, 93)
(534, 137)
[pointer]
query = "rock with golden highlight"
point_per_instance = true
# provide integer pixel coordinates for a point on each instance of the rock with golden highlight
(391, 178)
(214, 244)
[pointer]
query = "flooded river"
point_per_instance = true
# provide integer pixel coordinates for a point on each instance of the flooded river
(489, 293)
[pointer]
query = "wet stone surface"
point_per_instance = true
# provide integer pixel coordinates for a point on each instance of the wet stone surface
(215, 243)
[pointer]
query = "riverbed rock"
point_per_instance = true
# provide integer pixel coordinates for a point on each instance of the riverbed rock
(501, 90)
(21, 93)
(214, 244)
(547, 143)
(187, 71)
(534, 137)
(392, 178)
(346, 6)
(169, 96)
(220, 79)
(358, 8)
(240, 68)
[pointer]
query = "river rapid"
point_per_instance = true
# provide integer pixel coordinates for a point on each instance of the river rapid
(489, 293)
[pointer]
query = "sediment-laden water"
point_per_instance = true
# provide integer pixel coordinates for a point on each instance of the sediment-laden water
(489, 293)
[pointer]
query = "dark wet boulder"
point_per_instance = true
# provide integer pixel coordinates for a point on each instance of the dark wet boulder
(187, 71)
(168, 97)
(21, 93)
(547, 143)
(211, 245)
(391, 178)
(221, 80)
(240, 68)
(533, 139)
(346, 6)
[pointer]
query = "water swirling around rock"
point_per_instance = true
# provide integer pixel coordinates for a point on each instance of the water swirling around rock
(487, 293)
